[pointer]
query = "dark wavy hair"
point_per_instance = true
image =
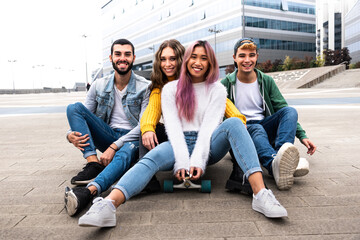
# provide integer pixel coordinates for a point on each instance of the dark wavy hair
(158, 78)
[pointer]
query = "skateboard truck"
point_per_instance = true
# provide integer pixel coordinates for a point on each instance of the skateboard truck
(205, 186)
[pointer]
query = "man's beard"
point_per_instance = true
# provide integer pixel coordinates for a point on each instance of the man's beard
(122, 72)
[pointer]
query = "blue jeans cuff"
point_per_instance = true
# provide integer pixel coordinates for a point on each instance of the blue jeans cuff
(252, 170)
(87, 154)
(123, 190)
(99, 190)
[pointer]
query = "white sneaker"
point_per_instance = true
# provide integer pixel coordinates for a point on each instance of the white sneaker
(284, 165)
(302, 168)
(101, 214)
(266, 203)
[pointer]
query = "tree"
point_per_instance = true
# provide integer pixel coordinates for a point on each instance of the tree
(328, 57)
(277, 65)
(267, 66)
(345, 57)
(287, 63)
(319, 62)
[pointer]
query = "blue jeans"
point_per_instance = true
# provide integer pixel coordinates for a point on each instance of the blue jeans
(230, 134)
(272, 132)
(121, 162)
(101, 135)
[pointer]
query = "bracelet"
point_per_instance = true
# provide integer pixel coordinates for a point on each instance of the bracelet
(112, 148)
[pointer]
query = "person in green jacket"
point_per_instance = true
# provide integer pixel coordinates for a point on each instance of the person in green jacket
(271, 123)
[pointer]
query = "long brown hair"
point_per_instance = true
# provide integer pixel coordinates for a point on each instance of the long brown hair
(158, 78)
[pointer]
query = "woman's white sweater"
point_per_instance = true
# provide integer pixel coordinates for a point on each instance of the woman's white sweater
(209, 112)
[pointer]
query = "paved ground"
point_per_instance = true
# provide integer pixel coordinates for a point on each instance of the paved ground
(37, 163)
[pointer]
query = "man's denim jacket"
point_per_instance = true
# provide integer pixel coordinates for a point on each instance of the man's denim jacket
(101, 98)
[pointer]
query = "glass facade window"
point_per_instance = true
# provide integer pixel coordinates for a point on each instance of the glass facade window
(279, 25)
(278, 4)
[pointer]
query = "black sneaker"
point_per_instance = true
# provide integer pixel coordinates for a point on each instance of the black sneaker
(76, 199)
(235, 182)
(88, 174)
(153, 185)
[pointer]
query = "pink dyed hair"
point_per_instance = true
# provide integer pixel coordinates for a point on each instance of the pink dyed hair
(185, 95)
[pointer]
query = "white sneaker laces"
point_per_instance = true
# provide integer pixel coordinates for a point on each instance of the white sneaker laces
(98, 205)
(271, 198)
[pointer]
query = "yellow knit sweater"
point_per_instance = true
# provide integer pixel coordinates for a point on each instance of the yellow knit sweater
(152, 113)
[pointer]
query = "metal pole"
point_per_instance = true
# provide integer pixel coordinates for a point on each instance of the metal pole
(12, 73)
(86, 68)
(243, 18)
(213, 30)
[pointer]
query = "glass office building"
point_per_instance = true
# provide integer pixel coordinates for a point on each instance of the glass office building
(352, 32)
(279, 27)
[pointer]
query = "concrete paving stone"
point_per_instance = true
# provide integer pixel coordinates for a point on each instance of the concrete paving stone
(187, 231)
(35, 165)
(49, 221)
(305, 237)
(229, 229)
(26, 209)
(316, 201)
(341, 190)
(11, 172)
(300, 189)
(37, 177)
(32, 200)
(218, 204)
(55, 232)
(196, 216)
(349, 181)
(30, 182)
(9, 221)
(134, 218)
(38, 191)
(149, 206)
(321, 213)
(18, 191)
(134, 232)
(290, 227)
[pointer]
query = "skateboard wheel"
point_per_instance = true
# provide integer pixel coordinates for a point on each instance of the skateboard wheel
(168, 186)
(205, 186)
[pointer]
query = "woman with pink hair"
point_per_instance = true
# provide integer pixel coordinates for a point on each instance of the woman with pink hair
(193, 108)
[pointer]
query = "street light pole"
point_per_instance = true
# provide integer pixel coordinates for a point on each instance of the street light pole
(243, 18)
(213, 30)
(153, 50)
(86, 68)
(12, 72)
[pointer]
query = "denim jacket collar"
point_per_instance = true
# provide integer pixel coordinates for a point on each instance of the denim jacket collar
(131, 87)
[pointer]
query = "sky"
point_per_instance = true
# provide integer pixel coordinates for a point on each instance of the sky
(42, 43)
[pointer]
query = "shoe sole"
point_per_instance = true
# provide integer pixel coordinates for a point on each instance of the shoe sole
(301, 172)
(81, 183)
(90, 223)
(71, 202)
(288, 163)
(268, 215)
